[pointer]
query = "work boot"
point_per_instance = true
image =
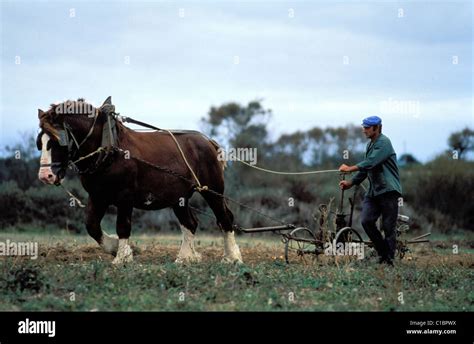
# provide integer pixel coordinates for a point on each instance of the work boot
(386, 260)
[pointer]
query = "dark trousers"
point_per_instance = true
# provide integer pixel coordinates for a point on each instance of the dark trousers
(386, 205)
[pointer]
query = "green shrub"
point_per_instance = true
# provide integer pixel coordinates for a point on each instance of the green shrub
(443, 191)
(14, 204)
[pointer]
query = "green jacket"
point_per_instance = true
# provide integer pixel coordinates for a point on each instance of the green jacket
(380, 165)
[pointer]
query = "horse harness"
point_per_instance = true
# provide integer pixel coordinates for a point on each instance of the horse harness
(109, 148)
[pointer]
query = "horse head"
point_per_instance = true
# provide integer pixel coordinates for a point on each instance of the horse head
(68, 130)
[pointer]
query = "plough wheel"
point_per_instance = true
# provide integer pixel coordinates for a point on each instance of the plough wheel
(348, 234)
(301, 246)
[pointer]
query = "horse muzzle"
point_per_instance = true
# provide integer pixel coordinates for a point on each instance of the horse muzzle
(47, 176)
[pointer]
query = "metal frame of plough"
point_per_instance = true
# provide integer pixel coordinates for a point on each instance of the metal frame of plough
(311, 242)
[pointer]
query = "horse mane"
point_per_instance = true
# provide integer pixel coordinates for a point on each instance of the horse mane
(48, 118)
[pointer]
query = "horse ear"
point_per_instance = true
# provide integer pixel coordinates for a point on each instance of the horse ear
(40, 113)
(108, 101)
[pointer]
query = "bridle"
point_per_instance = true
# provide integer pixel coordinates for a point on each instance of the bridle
(66, 138)
(65, 141)
(111, 147)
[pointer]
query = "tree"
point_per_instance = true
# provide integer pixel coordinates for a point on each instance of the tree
(21, 162)
(331, 145)
(237, 125)
(25, 148)
(407, 159)
(292, 147)
(462, 141)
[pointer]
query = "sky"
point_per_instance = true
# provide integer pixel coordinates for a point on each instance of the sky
(313, 63)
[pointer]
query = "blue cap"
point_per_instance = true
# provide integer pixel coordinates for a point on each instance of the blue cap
(371, 121)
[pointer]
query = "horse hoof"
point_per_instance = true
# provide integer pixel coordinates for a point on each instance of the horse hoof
(117, 261)
(124, 256)
(232, 260)
(196, 258)
(110, 244)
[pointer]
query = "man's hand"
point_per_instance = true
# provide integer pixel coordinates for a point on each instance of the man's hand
(345, 168)
(345, 184)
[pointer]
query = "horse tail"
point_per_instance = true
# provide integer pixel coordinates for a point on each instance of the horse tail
(218, 149)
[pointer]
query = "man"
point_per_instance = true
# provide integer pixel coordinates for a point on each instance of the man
(380, 166)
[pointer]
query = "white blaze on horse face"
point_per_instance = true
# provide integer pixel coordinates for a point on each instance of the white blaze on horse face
(187, 253)
(45, 173)
(231, 249)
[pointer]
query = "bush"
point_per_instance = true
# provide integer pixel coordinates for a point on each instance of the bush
(51, 205)
(13, 203)
(443, 191)
(43, 206)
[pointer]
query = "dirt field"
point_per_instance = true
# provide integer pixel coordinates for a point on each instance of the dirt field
(73, 273)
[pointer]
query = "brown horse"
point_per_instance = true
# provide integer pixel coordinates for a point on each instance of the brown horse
(120, 175)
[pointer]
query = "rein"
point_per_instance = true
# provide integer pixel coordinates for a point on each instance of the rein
(198, 187)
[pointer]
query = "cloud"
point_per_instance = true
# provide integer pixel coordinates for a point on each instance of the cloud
(179, 67)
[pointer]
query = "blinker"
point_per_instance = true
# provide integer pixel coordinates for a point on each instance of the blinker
(63, 139)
